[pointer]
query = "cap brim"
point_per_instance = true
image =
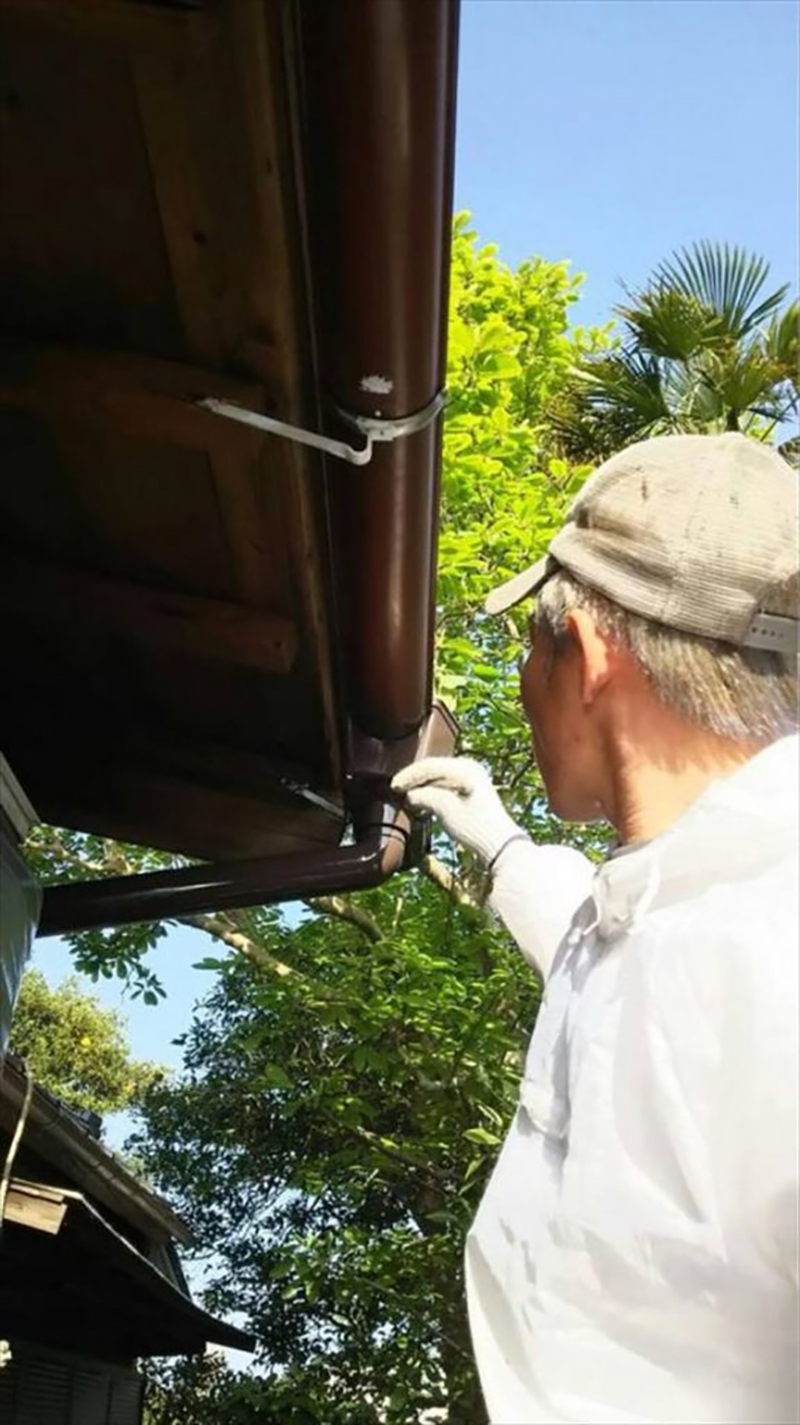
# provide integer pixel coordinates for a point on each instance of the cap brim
(505, 596)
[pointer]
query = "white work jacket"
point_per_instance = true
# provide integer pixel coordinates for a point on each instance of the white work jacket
(634, 1257)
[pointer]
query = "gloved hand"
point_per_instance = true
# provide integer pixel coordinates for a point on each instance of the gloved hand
(460, 793)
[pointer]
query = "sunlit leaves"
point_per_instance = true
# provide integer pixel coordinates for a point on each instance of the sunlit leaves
(505, 490)
(668, 322)
(75, 1048)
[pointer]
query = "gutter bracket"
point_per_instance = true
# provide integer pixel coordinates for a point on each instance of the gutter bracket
(373, 428)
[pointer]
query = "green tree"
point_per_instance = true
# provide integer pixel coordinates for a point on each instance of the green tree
(703, 347)
(75, 1048)
(199, 1390)
(329, 1137)
(349, 1079)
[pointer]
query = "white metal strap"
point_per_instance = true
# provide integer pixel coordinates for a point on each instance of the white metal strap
(373, 429)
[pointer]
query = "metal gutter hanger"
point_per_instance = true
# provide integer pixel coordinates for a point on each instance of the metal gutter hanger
(372, 428)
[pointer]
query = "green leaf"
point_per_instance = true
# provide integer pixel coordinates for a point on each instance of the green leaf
(272, 1076)
(483, 1136)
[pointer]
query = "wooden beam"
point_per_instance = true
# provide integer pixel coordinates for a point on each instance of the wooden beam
(150, 808)
(29, 1206)
(137, 395)
(150, 26)
(250, 498)
(147, 398)
(193, 227)
(164, 622)
(53, 368)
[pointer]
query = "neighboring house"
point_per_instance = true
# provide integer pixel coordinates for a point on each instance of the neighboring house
(90, 1279)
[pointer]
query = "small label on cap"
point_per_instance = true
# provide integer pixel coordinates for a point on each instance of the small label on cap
(773, 632)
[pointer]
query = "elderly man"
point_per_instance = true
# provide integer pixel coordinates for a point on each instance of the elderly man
(635, 1254)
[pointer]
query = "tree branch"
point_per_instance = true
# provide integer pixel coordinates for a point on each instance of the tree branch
(217, 926)
(439, 874)
(342, 909)
(54, 846)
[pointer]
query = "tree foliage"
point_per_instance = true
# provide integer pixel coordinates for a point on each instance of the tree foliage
(704, 347)
(329, 1137)
(75, 1048)
(201, 1390)
(504, 490)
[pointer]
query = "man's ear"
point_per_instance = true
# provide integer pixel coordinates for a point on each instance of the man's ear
(596, 652)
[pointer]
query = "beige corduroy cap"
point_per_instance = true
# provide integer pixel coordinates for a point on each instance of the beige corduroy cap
(692, 531)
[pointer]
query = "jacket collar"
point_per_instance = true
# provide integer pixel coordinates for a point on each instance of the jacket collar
(736, 825)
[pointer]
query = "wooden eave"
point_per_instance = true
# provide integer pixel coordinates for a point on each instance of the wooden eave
(247, 200)
(71, 1280)
(167, 665)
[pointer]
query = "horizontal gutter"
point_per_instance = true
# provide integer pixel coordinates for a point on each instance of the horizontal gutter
(220, 886)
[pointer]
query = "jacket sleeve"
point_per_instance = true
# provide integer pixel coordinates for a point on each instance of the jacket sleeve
(536, 891)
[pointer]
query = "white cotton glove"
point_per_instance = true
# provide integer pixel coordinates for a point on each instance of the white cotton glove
(460, 793)
(535, 889)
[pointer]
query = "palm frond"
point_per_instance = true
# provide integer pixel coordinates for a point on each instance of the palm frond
(782, 343)
(670, 323)
(694, 404)
(728, 280)
(740, 379)
(790, 450)
(622, 394)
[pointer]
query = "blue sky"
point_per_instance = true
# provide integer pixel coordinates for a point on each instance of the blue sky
(612, 131)
(608, 132)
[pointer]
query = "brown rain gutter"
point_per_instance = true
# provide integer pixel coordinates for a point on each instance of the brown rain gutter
(229, 885)
(378, 112)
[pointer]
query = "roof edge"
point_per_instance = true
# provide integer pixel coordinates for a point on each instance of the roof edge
(94, 1166)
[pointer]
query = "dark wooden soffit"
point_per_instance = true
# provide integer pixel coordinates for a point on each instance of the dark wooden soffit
(167, 670)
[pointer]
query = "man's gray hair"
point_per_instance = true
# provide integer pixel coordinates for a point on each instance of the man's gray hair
(742, 693)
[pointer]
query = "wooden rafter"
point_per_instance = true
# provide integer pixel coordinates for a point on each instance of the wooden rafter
(162, 621)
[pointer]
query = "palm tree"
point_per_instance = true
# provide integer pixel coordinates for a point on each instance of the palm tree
(702, 349)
